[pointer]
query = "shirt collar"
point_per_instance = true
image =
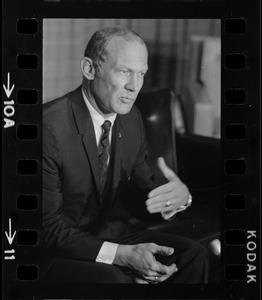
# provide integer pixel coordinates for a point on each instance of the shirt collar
(95, 115)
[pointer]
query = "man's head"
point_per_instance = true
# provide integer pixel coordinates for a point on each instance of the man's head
(114, 66)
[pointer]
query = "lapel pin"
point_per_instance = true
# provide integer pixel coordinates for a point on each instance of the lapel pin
(119, 135)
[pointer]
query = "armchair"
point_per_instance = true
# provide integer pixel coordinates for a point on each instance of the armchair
(195, 159)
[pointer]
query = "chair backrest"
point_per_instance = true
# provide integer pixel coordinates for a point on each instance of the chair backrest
(155, 108)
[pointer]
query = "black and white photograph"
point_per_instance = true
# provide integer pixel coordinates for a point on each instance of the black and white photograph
(121, 153)
(131, 150)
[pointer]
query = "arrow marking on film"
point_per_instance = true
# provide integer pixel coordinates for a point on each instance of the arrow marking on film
(7, 89)
(9, 235)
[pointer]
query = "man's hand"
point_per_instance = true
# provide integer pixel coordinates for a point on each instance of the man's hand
(169, 196)
(141, 260)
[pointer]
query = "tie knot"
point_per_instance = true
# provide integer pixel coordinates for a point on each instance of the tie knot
(106, 126)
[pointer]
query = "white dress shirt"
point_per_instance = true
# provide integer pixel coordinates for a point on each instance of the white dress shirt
(98, 120)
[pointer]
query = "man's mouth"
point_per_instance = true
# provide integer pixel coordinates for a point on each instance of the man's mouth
(127, 100)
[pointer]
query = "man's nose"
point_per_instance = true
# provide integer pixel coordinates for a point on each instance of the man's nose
(133, 84)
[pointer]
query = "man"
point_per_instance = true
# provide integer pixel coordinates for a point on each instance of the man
(94, 144)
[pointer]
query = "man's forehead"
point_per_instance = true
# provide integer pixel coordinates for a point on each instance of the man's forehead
(117, 44)
(128, 56)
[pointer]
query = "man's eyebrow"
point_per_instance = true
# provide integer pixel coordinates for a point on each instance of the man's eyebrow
(133, 70)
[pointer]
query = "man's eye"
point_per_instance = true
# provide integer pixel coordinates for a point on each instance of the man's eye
(124, 72)
(142, 74)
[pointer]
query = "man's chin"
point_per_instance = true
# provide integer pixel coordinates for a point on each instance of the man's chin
(124, 109)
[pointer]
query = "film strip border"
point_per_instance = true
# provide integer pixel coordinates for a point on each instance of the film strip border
(21, 153)
(22, 119)
(240, 226)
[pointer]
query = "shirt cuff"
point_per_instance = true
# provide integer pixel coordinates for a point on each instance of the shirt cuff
(107, 253)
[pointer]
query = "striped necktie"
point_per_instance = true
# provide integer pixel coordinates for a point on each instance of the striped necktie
(103, 153)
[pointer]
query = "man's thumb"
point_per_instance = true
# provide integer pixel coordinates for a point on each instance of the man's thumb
(166, 171)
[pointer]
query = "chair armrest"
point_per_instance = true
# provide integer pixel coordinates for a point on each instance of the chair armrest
(199, 161)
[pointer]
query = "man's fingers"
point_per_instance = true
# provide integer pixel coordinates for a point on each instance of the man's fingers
(151, 268)
(160, 278)
(158, 269)
(156, 279)
(162, 250)
(169, 187)
(166, 171)
(140, 280)
(161, 209)
(154, 198)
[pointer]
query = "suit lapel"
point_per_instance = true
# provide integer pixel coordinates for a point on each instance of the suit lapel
(86, 129)
(90, 145)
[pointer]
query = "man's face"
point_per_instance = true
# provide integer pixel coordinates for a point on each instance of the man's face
(121, 76)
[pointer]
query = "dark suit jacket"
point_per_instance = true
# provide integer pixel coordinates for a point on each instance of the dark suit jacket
(76, 217)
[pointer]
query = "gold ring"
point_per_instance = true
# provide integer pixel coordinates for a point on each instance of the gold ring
(168, 203)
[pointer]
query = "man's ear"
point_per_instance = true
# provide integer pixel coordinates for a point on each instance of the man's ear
(87, 68)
